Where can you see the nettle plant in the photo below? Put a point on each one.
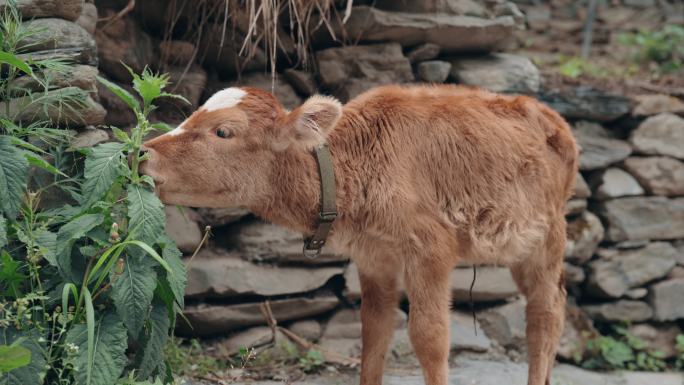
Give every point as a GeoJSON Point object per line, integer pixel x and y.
{"type": "Point", "coordinates": [89, 291]}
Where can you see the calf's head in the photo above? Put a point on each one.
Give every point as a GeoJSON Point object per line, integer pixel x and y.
{"type": "Point", "coordinates": [225, 153]}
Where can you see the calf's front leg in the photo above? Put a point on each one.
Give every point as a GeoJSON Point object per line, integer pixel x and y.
{"type": "Point", "coordinates": [378, 303]}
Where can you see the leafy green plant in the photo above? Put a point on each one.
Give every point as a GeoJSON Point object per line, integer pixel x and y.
{"type": "Point", "coordinates": [621, 350]}
{"type": "Point", "coordinates": [312, 361]}
{"type": "Point", "coordinates": [663, 48]}
{"type": "Point", "coordinates": [90, 289]}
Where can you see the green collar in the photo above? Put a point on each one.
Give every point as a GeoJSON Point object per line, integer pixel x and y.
{"type": "Point", "coordinates": [328, 209]}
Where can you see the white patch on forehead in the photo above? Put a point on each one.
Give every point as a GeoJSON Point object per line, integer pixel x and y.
{"type": "Point", "coordinates": [178, 130]}
{"type": "Point", "coordinates": [226, 98]}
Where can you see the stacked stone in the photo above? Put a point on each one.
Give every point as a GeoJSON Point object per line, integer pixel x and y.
{"type": "Point", "coordinates": [63, 30]}
{"type": "Point", "coordinates": [625, 254]}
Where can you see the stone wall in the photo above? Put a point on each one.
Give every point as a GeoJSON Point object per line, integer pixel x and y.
{"type": "Point", "coordinates": [625, 254]}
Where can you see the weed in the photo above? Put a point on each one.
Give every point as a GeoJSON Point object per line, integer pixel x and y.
{"type": "Point", "coordinates": [662, 49]}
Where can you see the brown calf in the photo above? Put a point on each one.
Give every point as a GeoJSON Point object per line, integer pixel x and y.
{"type": "Point", "coordinates": [426, 176]}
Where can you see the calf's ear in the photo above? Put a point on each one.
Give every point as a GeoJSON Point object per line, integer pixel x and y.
{"type": "Point", "coordinates": [312, 121]}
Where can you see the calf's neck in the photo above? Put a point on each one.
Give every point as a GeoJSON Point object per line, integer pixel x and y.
{"type": "Point", "coordinates": [426, 176]}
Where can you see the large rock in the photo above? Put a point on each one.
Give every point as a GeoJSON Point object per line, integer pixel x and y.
{"type": "Point", "coordinates": [574, 275]}
{"type": "Point", "coordinates": [122, 40]}
{"type": "Point", "coordinates": [303, 82]}
{"type": "Point", "coordinates": [584, 235]}
{"type": "Point", "coordinates": [666, 299]}
{"type": "Point", "coordinates": [575, 207]}
{"type": "Point", "coordinates": [423, 52]}
{"type": "Point", "coordinates": [614, 183]}
{"type": "Point", "coordinates": [352, 289]}
{"type": "Point", "coordinates": [221, 53]}
{"type": "Point", "coordinates": [598, 147]}
{"type": "Point", "coordinates": [225, 275]}
{"type": "Point", "coordinates": [349, 71]}
{"type": "Point", "coordinates": [653, 104]}
{"type": "Point", "coordinates": [261, 241]}
{"type": "Point", "coordinates": [499, 72]}
{"type": "Point", "coordinates": [88, 138]}
{"type": "Point", "coordinates": [63, 9]}
{"type": "Point", "coordinates": [662, 134]}
{"type": "Point", "coordinates": [466, 334]}
{"type": "Point", "coordinates": [505, 324]}
{"type": "Point", "coordinates": [451, 33]}
{"type": "Point", "coordinates": [206, 320]}
{"type": "Point", "coordinates": [586, 103]}
{"type": "Point", "coordinates": [612, 278]}
{"type": "Point", "coordinates": [661, 337]}
{"type": "Point", "coordinates": [309, 329]}
{"type": "Point", "coordinates": [81, 76]}
{"type": "Point", "coordinates": [623, 310]}
{"type": "Point", "coordinates": [433, 71]}
{"type": "Point", "coordinates": [659, 175]}
{"type": "Point", "coordinates": [88, 18]}
{"type": "Point", "coordinates": [282, 90]}
{"type": "Point", "coordinates": [59, 34]}
{"type": "Point", "coordinates": [182, 227]}
{"type": "Point", "coordinates": [491, 284]}
{"type": "Point", "coordinates": [79, 113]}
{"type": "Point", "coordinates": [188, 83]}
{"type": "Point", "coordinates": [118, 113]}
{"type": "Point", "coordinates": [640, 218]}
{"type": "Point", "coordinates": [456, 7]}
{"type": "Point", "coordinates": [581, 190]}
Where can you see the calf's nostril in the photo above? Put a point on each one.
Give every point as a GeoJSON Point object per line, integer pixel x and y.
{"type": "Point", "coordinates": [142, 152]}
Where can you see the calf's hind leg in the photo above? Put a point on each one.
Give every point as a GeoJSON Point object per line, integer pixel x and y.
{"type": "Point", "coordinates": [540, 280]}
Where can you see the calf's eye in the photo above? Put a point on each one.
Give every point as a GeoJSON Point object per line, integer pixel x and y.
{"type": "Point", "coordinates": [221, 133]}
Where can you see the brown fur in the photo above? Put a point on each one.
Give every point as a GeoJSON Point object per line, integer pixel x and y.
{"type": "Point", "coordinates": [426, 175]}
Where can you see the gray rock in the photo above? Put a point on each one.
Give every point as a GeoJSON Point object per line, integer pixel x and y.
{"type": "Point", "coordinates": [630, 268]}
{"type": "Point", "coordinates": [614, 183]}
{"type": "Point", "coordinates": [346, 323]}
{"type": "Point", "coordinates": [282, 90]}
{"type": "Point", "coordinates": [188, 83]}
{"type": "Point", "coordinates": [352, 290]}
{"type": "Point", "coordinates": [119, 114]}
{"type": "Point", "coordinates": [303, 82]}
{"type": "Point", "coordinates": [575, 207]}
{"type": "Point", "coordinates": [581, 190]}
{"type": "Point", "coordinates": [623, 310]}
{"type": "Point", "coordinates": [455, 7]}
{"type": "Point", "coordinates": [219, 274]}
{"type": "Point", "coordinates": [124, 41]}
{"type": "Point", "coordinates": [659, 175]}
{"type": "Point", "coordinates": [499, 72]}
{"type": "Point", "coordinates": [584, 235]}
{"type": "Point", "coordinates": [59, 34]}
{"type": "Point", "coordinates": [182, 227]}
{"type": "Point", "coordinates": [349, 71]}
{"type": "Point", "coordinates": [462, 334]}
{"type": "Point", "coordinates": [652, 104]}
{"type": "Point", "coordinates": [586, 103]}
{"type": "Point", "coordinates": [88, 17]}
{"type": "Point", "coordinates": [81, 76]}
{"type": "Point", "coordinates": [598, 147]}
{"type": "Point", "coordinates": [660, 337]}
{"type": "Point", "coordinates": [666, 299]}
{"type": "Point", "coordinates": [491, 284]}
{"type": "Point", "coordinates": [636, 293]}
{"type": "Point", "coordinates": [679, 245]}
{"type": "Point", "coordinates": [311, 330]}
{"type": "Point", "coordinates": [76, 55]}
{"type": "Point", "coordinates": [409, 29]}
{"type": "Point", "coordinates": [63, 9]}
{"type": "Point", "coordinates": [220, 217]}
{"type": "Point", "coordinates": [209, 320]}
{"type": "Point", "coordinates": [433, 71]}
{"type": "Point", "coordinates": [662, 134]}
{"type": "Point", "coordinates": [574, 275]}
{"type": "Point", "coordinates": [85, 112]}
{"type": "Point", "coordinates": [89, 138]}
{"type": "Point", "coordinates": [177, 52]}
{"type": "Point", "coordinates": [250, 338]}
{"type": "Point", "coordinates": [638, 218]}
{"type": "Point", "coordinates": [423, 52]}
{"type": "Point", "coordinates": [268, 242]}
{"type": "Point", "coordinates": [505, 324]}
{"type": "Point", "coordinates": [222, 52]}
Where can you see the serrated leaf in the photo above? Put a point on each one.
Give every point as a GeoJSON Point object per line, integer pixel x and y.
{"type": "Point", "coordinates": [132, 292]}
{"type": "Point", "coordinates": [32, 373]}
{"type": "Point", "coordinates": [13, 177]}
{"type": "Point", "coordinates": [47, 243]}
{"type": "Point", "coordinates": [146, 214]}
{"type": "Point", "coordinates": [69, 233]}
{"type": "Point", "coordinates": [3, 232]}
{"type": "Point", "coordinates": [13, 357]}
{"type": "Point", "coordinates": [121, 93]}
{"type": "Point", "coordinates": [109, 351]}
{"type": "Point", "coordinates": [179, 279]}
{"type": "Point", "coordinates": [103, 165]}
{"type": "Point", "coordinates": [39, 162]}
{"type": "Point", "coordinates": [154, 337]}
